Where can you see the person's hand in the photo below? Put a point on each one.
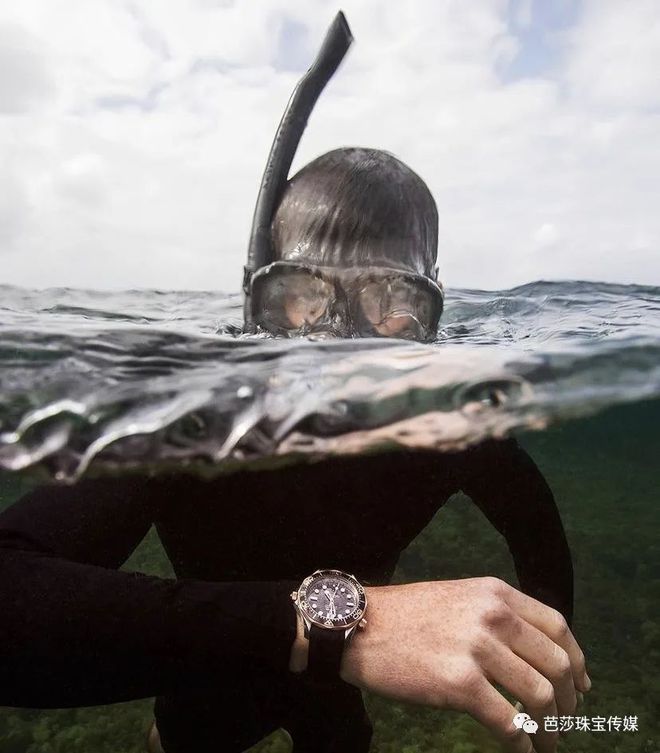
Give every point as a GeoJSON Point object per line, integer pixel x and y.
{"type": "Point", "coordinates": [447, 643]}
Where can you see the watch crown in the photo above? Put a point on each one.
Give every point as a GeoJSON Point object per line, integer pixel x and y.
{"type": "Point", "coordinates": [363, 623]}
{"type": "Point", "coordinates": [294, 595]}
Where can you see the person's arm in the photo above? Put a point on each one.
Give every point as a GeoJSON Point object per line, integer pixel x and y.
{"type": "Point", "coordinates": [456, 644]}
{"type": "Point", "coordinates": [503, 481]}
{"type": "Point", "coordinates": [75, 631]}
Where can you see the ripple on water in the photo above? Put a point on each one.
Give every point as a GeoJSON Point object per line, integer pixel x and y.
{"type": "Point", "coordinates": [150, 378]}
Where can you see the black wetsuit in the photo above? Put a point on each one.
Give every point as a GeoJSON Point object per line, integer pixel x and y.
{"type": "Point", "coordinates": [214, 645]}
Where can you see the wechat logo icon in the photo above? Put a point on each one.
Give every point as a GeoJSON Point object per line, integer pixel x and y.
{"type": "Point", "coordinates": [525, 722]}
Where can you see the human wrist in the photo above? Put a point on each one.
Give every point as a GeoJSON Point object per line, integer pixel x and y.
{"type": "Point", "coordinates": [351, 670]}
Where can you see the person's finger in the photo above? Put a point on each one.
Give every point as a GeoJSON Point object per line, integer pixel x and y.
{"type": "Point", "coordinates": [552, 623]}
{"type": "Point", "coordinates": [525, 682]}
{"type": "Point", "coordinates": [550, 659]}
{"type": "Point", "coordinates": [491, 708]}
{"type": "Point", "coordinates": [580, 700]}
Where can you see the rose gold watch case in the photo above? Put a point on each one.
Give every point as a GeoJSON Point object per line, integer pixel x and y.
{"type": "Point", "coordinates": [349, 623]}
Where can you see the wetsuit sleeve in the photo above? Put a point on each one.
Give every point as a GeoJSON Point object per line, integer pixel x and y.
{"type": "Point", "coordinates": [503, 481]}
{"type": "Point", "coordinates": [75, 631]}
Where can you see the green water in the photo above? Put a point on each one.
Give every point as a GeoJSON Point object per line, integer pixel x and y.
{"type": "Point", "coordinates": [605, 474]}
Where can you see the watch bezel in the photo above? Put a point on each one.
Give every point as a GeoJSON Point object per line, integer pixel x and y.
{"type": "Point", "coordinates": [342, 623]}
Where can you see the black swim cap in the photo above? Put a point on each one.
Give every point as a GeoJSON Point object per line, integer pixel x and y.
{"type": "Point", "coordinates": [356, 207]}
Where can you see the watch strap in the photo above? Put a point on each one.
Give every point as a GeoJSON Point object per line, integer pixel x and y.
{"type": "Point", "coordinates": [326, 648]}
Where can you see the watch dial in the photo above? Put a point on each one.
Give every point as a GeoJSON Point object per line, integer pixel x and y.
{"type": "Point", "coordinates": [332, 598]}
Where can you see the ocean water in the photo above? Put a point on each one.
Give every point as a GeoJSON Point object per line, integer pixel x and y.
{"type": "Point", "coordinates": [95, 383]}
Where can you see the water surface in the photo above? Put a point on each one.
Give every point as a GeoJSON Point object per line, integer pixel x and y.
{"type": "Point", "coordinates": [150, 378]}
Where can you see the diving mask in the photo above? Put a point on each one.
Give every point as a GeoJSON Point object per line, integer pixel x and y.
{"type": "Point", "coordinates": [293, 299]}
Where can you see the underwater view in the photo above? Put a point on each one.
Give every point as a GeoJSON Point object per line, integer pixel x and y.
{"type": "Point", "coordinates": [97, 384]}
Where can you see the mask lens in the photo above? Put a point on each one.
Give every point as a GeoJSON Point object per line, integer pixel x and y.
{"type": "Point", "coordinates": [397, 308]}
{"type": "Point", "coordinates": [294, 300]}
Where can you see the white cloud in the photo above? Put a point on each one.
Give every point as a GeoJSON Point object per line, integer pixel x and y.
{"type": "Point", "coordinates": [136, 133]}
{"type": "Point", "coordinates": [522, 14]}
{"type": "Point", "coordinates": [14, 209]}
{"type": "Point", "coordinates": [23, 76]}
{"type": "Point", "coordinates": [616, 55]}
{"type": "Point", "coordinates": [546, 236]}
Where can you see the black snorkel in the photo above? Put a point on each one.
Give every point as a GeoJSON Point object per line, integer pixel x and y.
{"type": "Point", "coordinates": [289, 132]}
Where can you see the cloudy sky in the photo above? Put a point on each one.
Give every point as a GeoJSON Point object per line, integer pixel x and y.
{"type": "Point", "coordinates": [133, 133]}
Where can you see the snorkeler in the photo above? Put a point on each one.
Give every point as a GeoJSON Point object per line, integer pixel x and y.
{"type": "Point", "coordinates": [350, 250]}
{"type": "Point", "coordinates": [353, 252]}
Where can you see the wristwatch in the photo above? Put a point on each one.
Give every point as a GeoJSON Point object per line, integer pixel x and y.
{"type": "Point", "coordinates": [331, 604]}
